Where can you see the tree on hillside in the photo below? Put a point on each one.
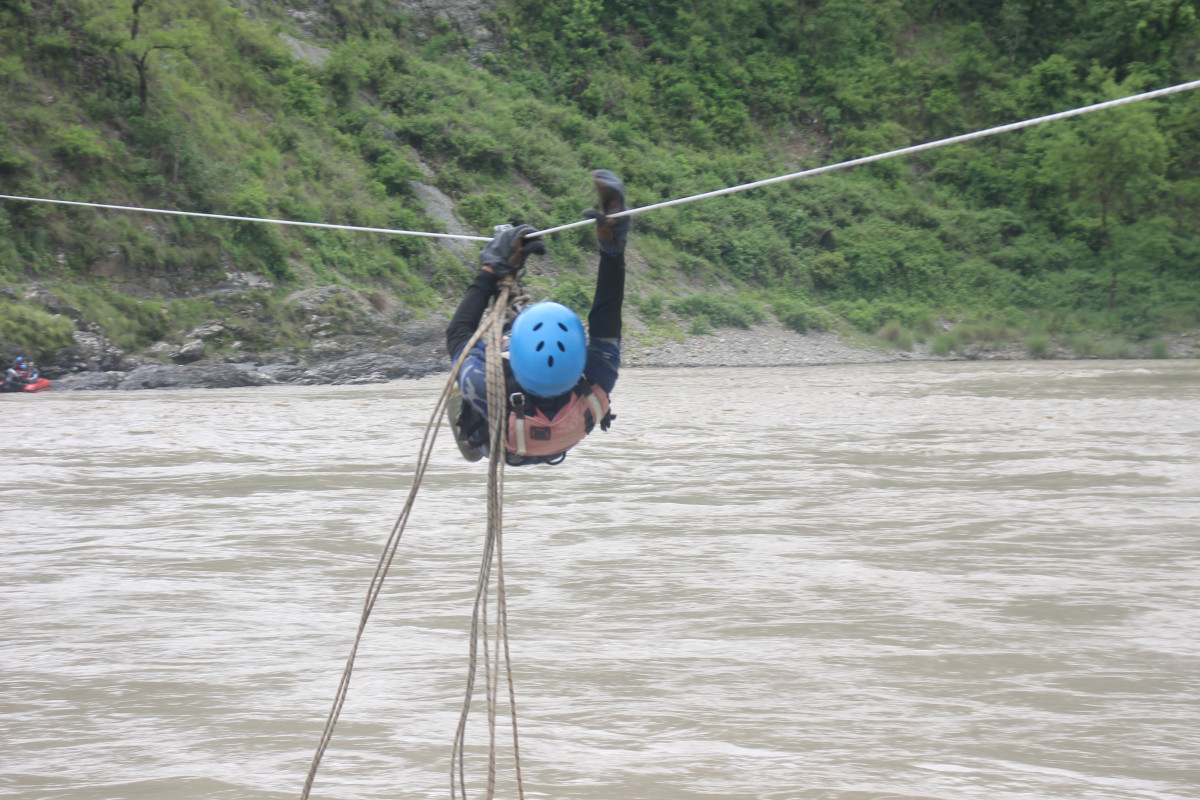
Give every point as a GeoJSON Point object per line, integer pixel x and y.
{"type": "Point", "coordinates": [1148, 32]}
{"type": "Point", "coordinates": [135, 29]}
{"type": "Point", "coordinates": [1111, 166]}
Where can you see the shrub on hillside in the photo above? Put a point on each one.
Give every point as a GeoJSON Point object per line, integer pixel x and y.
{"type": "Point", "coordinates": [31, 332]}
{"type": "Point", "coordinates": [802, 317]}
{"type": "Point", "coordinates": [722, 311]}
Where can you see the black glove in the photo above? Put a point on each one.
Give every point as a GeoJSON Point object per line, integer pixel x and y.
{"type": "Point", "coordinates": [507, 252]}
{"type": "Point", "coordinates": [611, 235]}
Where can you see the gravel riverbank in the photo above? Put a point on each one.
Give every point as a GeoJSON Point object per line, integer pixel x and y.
{"type": "Point", "coordinates": [772, 345]}
{"type": "Point", "coordinates": [765, 345]}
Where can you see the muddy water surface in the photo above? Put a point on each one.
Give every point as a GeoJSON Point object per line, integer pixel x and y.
{"type": "Point", "coordinates": [906, 581]}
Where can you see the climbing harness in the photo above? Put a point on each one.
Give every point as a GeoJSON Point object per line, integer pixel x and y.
{"type": "Point", "coordinates": [504, 307]}
{"type": "Point", "coordinates": [532, 434]}
{"type": "Point", "coordinates": [536, 435]}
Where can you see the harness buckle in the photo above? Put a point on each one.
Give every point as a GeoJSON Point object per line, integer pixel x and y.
{"type": "Point", "coordinates": [518, 403]}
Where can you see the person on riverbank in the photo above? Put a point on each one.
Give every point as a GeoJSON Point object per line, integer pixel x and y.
{"type": "Point", "coordinates": [557, 377]}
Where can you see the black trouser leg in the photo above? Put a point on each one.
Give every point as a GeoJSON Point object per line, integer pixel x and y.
{"type": "Point", "coordinates": [604, 320]}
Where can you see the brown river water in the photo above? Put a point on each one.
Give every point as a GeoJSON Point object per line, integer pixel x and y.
{"type": "Point", "coordinates": [951, 580]}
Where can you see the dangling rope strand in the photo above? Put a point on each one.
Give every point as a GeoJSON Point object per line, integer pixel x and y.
{"type": "Point", "coordinates": [425, 453]}
{"type": "Point", "coordinates": [493, 546]}
{"type": "Point", "coordinates": [496, 378]}
{"type": "Point", "coordinates": [502, 613]}
{"type": "Point", "coordinates": [497, 425]}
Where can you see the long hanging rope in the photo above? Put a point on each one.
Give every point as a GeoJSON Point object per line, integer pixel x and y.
{"type": "Point", "coordinates": [497, 425]}
{"type": "Point", "coordinates": [492, 325]}
{"type": "Point", "coordinates": [904, 151]}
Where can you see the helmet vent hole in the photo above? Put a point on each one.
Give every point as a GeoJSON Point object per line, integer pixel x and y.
{"type": "Point", "coordinates": [550, 361]}
{"type": "Point", "coordinates": [562, 348]}
{"type": "Point", "coordinates": [564, 327]}
{"type": "Point", "coordinates": [540, 346]}
{"type": "Point", "coordinates": [538, 327]}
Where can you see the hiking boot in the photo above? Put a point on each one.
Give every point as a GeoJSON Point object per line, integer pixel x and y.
{"type": "Point", "coordinates": [453, 416]}
{"type": "Point", "coordinates": [611, 235]}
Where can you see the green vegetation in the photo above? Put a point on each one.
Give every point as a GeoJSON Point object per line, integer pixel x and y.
{"type": "Point", "coordinates": [1038, 346]}
{"type": "Point", "coordinates": [720, 310]}
{"type": "Point", "coordinates": [32, 331]}
{"type": "Point", "coordinates": [1077, 234]}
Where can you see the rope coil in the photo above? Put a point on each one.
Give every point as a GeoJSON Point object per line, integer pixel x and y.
{"type": "Point", "coordinates": [504, 306]}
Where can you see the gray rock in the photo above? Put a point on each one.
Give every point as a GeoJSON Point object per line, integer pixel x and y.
{"type": "Point", "coordinates": [305, 51]}
{"type": "Point", "coordinates": [53, 304]}
{"type": "Point", "coordinates": [286, 373]}
{"type": "Point", "coordinates": [190, 352]}
{"type": "Point", "coordinates": [356, 369]}
{"type": "Point", "coordinates": [194, 376]}
{"type": "Point", "coordinates": [90, 352]}
{"type": "Point", "coordinates": [439, 206]}
{"type": "Point", "coordinates": [209, 330]}
{"type": "Point", "coordinates": [85, 381]}
{"type": "Point", "coordinates": [160, 350]}
{"type": "Point", "coordinates": [371, 368]}
{"type": "Point", "coordinates": [465, 16]}
{"type": "Point", "coordinates": [420, 332]}
{"type": "Point", "coordinates": [244, 280]}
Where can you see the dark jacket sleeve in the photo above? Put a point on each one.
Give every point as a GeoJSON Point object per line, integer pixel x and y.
{"type": "Point", "coordinates": [470, 310]}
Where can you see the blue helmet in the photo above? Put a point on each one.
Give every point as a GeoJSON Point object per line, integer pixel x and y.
{"type": "Point", "coordinates": [547, 349]}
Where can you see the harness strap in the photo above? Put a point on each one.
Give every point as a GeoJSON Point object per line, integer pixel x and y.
{"type": "Point", "coordinates": [518, 403]}
{"type": "Point", "coordinates": [597, 409]}
{"type": "Point", "coordinates": [585, 390]}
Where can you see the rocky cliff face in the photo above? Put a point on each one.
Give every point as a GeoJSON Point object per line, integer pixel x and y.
{"type": "Point", "coordinates": [328, 334]}
{"type": "Point", "coordinates": [248, 332]}
{"type": "Point", "coordinates": [466, 17]}
{"type": "Point", "coordinates": [315, 21]}
{"type": "Point", "coordinates": [318, 334]}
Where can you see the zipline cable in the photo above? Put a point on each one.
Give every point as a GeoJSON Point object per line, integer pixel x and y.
{"type": "Point", "coordinates": [904, 151]}
{"type": "Point", "coordinates": [393, 231]}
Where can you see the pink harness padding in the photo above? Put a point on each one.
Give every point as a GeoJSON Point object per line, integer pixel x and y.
{"type": "Point", "coordinates": [535, 435]}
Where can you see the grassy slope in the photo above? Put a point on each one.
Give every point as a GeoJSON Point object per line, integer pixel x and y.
{"type": "Point", "coordinates": [1007, 235]}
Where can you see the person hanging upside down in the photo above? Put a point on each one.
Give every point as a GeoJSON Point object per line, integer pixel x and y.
{"type": "Point", "coordinates": [557, 377]}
